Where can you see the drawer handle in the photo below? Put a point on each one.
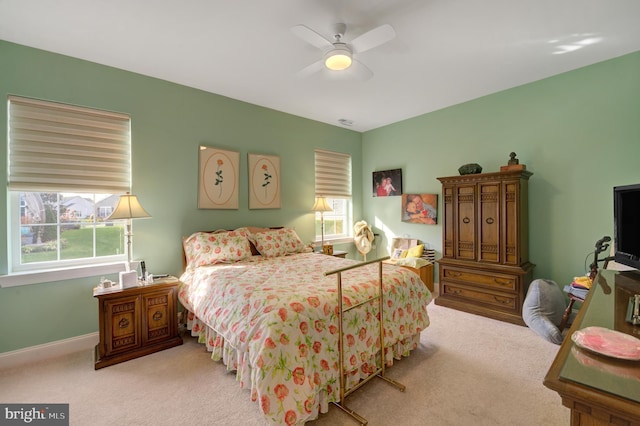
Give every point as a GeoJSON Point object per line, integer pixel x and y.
{"type": "Point", "coordinates": [453, 274]}
{"type": "Point", "coordinates": [502, 281]}
{"type": "Point", "coordinates": [490, 220]}
{"type": "Point", "coordinates": [501, 300]}
{"type": "Point", "coordinates": [123, 323]}
{"type": "Point", "coordinates": [157, 316]}
{"type": "Point", "coordinates": [466, 220]}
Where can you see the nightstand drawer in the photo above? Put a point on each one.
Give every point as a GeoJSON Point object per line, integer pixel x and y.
{"type": "Point", "coordinates": [122, 325]}
{"type": "Point", "coordinates": [158, 315]}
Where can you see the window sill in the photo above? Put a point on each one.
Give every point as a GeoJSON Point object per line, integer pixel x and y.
{"type": "Point", "coordinates": [343, 240]}
{"type": "Point", "coordinates": [45, 276]}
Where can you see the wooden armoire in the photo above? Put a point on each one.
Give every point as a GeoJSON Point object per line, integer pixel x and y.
{"type": "Point", "coordinates": [485, 266]}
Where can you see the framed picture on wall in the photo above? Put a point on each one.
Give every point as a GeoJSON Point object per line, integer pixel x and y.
{"type": "Point", "coordinates": [420, 208]}
{"type": "Point", "coordinates": [387, 183]}
{"type": "Point", "coordinates": [218, 178]}
{"type": "Point", "coordinates": [264, 181]}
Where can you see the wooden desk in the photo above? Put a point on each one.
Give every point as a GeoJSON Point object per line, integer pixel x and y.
{"type": "Point", "coordinates": [600, 391]}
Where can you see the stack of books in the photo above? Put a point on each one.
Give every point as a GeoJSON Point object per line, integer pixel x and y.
{"type": "Point", "coordinates": [429, 254]}
{"type": "Point", "coordinates": [579, 287]}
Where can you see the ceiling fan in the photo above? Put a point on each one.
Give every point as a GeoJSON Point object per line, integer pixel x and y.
{"type": "Point", "coordinates": [338, 55]}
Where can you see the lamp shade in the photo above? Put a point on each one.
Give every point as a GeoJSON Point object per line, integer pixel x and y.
{"type": "Point", "coordinates": [321, 205]}
{"type": "Point", "coordinates": [128, 208]}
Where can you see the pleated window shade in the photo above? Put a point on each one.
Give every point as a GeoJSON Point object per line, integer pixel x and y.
{"type": "Point", "coordinates": [333, 174]}
{"type": "Point", "coordinates": [64, 148]}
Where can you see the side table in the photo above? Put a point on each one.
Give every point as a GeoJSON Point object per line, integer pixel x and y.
{"type": "Point", "coordinates": [425, 273]}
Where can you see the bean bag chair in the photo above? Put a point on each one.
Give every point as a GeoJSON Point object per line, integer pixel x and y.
{"type": "Point", "coordinates": [543, 308]}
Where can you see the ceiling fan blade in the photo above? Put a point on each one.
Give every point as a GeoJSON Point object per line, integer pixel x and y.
{"type": "Point", "coordinates": [373, 38]}
{"type": "Point", "coordinates": [360, 70]}
{"type": "Point", "coordinates": [311, 69]}
{"type": "Point", "coordinates": [313, 38]}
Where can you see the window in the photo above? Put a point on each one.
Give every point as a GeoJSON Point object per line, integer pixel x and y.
{"type": "Point", "coordinates": [65, 165]}
{"type": "Point", "coordinates": [333, 181]}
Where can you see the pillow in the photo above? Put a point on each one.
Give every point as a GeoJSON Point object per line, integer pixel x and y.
{"type": "Point", "coordinates": [415, 251]}
{"type": "Point", "coordinates": [543, 308]}
{"type": "Point", "coordinates": [208, 248]}
{"type": "Point", "coordinates": [255, 230]}
{"type": "Point", "coordinates": [277, 242]}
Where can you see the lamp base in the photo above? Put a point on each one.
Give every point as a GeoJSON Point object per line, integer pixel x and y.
{"type": "Point", "coordinates": [327, 249]}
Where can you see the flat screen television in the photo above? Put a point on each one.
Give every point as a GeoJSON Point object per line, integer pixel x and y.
{"type": "Point", "coordinates": [626, 225]}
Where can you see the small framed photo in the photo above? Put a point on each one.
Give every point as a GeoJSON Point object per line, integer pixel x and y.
{"type": "Point", "coordinates": [420, 208]}
{"type": "Point", "coordinates": [387, 183]}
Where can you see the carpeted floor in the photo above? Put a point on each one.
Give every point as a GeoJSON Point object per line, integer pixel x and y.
{"type": "Point", "coordinates": [468, 370]}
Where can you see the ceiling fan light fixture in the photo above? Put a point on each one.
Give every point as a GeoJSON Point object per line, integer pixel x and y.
{"type": "Point", "coordinates": [339, 58]}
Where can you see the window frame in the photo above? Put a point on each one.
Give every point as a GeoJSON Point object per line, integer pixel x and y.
{"type": "Point", "coordinates": [15, 248]}
{"type": "Point", "coordinates": [42, 136]}
{"type": "Point", "coordinates": [333, 181]}
{"type": "Point", "coordinates": [346, 218]}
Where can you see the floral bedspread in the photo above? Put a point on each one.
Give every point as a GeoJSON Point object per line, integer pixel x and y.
{"type": "Point", "coordinates": [275, 322]}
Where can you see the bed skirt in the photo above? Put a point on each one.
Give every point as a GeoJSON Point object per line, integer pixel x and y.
{"type": "Point", "coordinates": [238, 361]}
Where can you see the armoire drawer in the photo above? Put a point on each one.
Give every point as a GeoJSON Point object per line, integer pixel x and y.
{"type": "Point", "coordinates": [504, 300]}
{"type": "Point", "coordinates": [492, 280]}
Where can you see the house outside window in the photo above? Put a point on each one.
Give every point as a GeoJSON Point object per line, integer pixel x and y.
{"type": "Point", "coordinates": [64, 226]}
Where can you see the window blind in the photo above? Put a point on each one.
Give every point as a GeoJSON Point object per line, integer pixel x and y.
{"type": "Point", "coordinates": [57, 147]}
{"type": "Point", "coordinates": [333, 174]}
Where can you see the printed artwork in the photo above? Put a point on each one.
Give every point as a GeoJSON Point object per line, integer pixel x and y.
{"type": "Point", "coordinates": [218, 178]}
{"type": "Point", "coordinates": [387, 183]}
{"type": "Point", "coordinates": [420, 208]}
{"type": "Point", "coordinates": [264, 181]}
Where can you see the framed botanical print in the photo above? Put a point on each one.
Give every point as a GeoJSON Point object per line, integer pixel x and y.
{"type": "Point", "coordinates": [264, 181]}
{"type": "Point", "coordinates": [218, 178]}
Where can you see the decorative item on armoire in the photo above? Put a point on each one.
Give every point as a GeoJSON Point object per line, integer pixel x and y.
{"type": "Point", "coordinates": [513, 164]}
{"type": "Point", "coordinates": [470, 169]}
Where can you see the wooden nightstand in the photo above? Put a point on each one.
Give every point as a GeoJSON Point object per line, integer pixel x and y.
{"type": "Point", "coordinates": [425, 273]}
{"type": "Point", "coordinates": [137, 321]}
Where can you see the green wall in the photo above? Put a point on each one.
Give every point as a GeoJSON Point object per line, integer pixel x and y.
{"type": "Point", "coordinates": [169, 122]}
{"type": "Point", "coordinates": [578, 132]}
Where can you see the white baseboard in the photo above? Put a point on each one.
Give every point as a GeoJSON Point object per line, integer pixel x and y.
{"type": "Point", "coordinates": [48, 350]}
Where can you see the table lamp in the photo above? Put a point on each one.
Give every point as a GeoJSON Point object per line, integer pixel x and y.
{"type": "Point", "coordinates": [321, 205]}
{"type": "Point", "coordinates": [128, 208]}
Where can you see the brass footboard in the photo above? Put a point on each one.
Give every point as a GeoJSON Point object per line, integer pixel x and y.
{"type": "Point", "coordinates": [380, 370]}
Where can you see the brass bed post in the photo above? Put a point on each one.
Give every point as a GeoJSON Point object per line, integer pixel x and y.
{"type": "Point", "coordinates": [380, 371]}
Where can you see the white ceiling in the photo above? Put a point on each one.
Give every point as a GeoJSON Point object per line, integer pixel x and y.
{"type": "Point", "coordinates": [445, 51]}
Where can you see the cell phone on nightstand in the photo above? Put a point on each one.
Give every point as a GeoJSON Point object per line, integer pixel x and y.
{"type": "Point", "coordinates": [143, 269]}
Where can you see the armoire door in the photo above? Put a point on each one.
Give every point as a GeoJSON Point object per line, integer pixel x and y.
{"type": "Point", "coordinates": [466, 221]}
{"type": "Point", "coordinates": [489, 222]}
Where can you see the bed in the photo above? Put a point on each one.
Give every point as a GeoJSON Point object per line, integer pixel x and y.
{"type": "Point", "coordinates": [261, 303]}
